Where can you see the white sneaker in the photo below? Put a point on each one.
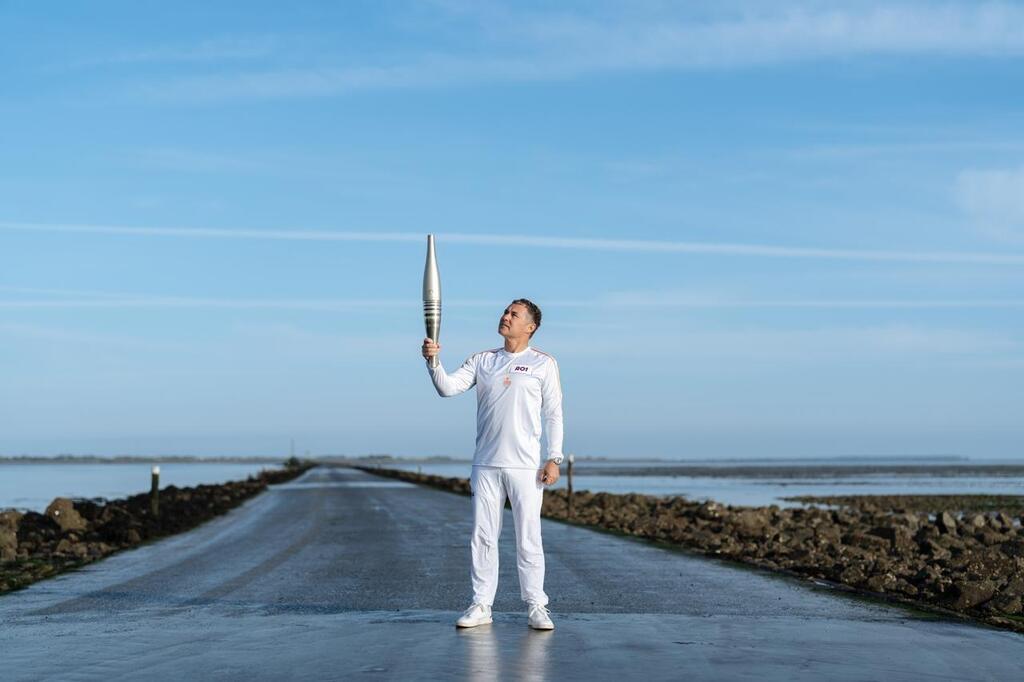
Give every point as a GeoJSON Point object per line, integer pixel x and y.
{"type": "Point", "coordinates": [539, 617]}
{"type": "Point", "coordinates": [476, 614]}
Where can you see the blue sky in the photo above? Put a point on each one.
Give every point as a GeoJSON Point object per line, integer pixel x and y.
{"type": "Point", "coordinates": [755, 229]}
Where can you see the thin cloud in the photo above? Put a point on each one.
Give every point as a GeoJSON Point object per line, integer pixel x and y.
{"type": "Point", "coordinates": [657, 299]}
{"type": "Point", "coordinates": [567, 243]}
{"type": "Point", "coordinates": [218, 233]}
{"type": "Point", "coordinates": [631, 300]}
{"type": "Point", "coordinates": [827, 344]}
{"type": "Point", "coordinates": [793, 31]}
{"type": "Point", "coordinates": [79, 338]}
{"type": "Point", "coordinates": [188, 302]}
{"type": "Point", "coordinates": [204, 51]}
{"type": "Point", "coordinates": [195, 161]}
{"type": "Point", "coordinates": [993, 200]}
{"type": "Point", "coordinates": [50, 291]}
{"type": "Point", "coordinates": [559, 46]}
{"type": "Point", "coordinates": [858, 151]}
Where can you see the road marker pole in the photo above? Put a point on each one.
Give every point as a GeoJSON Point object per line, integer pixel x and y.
{"type": "Point", "coordinates": [154, 492]}
{"type": "Point", "coordinates": [572, 458]}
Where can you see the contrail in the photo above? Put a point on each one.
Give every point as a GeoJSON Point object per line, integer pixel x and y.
{"type": "Point", "coordinates": [569, 243]}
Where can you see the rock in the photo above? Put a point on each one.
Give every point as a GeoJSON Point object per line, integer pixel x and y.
{"type": "Point", "coordinates": [1014, 586]}
{"type": "Point", "coordinates": [70, 548]}
{"type": "Point", "coordinates": [934, 550]}
{"type": "Point", "coordinates": [926, 532]}
{"type": "Point", "coordinates": [852, 575]}
{"type": "Point", "coordinates": [1005, 604]}
{"type": "Point", "coordinates": [36, 527]}
{"type": "Point", "coordinates": [8, 544]}
{"type": "Point", "coordinates": [62, 510]}
{"type": "Point", "coordinates": [908, 520]}
{"type": "Point", "coordinates": [987, 536]}
{"type": "Point", "coordinates": [828, 534]}
{"type": "Point", "coordinates": [951, 542]}
{"type": "Point", "coordinates": [977, 521]}
{"type": "Point", "coordinates": [946, 523]}
{"type": "Point", "coordinates": [897, 536]}
{"type": "Point", "coordinates": [800, 536]}
{"type": "Point", "coordinates": [927, 575]}
{"type": "Point", "coordinates": [884, 582]}
{"type": "Point", "coordinates": [1002, 522]}
{"type": "Point", "coordinates": [709, 511]}
{"type": "Point", "coordinates": [1013, 548]}
{"type": "Point", "coordinates": [89, 509]}
{"type": "Point", "coordinates": [9, 519]}
{"type": "Point", "coordinates": [799, 554]}
{"type": "Point", "coordinates": [752, 523]}
{"type": "Point", "coordinates": [133, 536]}
{"type": "Point", "coordinates": [97, 549]}
{"type": "Point", "coordinates": [906, 588]}
{"type": "Point", "coordinates": [865, 541]}
{"type": "Point", "coordinates": [966, 594]}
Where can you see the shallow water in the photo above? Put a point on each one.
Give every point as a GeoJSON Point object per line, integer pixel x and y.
{"type": "Point", "coordinates": [763, 491]}
{"type": "Point", "coordinates": [33, 486]}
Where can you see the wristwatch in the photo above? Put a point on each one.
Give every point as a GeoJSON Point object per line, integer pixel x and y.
{"type": "Point", "coordinates": [557, 459]}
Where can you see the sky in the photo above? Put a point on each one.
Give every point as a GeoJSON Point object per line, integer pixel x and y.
{"type": "Point", "coordinates": [788, 229]}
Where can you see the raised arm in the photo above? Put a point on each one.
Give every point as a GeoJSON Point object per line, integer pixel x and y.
{"type": "Point", "coordinates": [447, 385]}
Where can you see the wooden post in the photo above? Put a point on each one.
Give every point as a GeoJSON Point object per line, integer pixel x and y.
{"type": "Point", "coordinates": [154, 492]}
{"type": "Point", "coordinates": [569, 483]}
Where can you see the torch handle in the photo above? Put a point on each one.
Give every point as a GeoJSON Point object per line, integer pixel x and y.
{"type": "Point", "coordinates": [432, 319]}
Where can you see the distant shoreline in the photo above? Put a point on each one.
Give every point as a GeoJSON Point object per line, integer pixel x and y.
{"type": "Point", "coordinates": [769, 468]}
{"type": "Point", "coordinates": [139, 459]}
{"type": "Point", "coordinates": [810, 471]}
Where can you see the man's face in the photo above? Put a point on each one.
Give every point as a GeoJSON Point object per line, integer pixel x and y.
{"type": "Point", "coordinates": [516, 322]}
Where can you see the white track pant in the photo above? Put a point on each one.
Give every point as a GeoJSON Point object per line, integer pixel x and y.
{"type": "Point", "coordinates": [491, 485]}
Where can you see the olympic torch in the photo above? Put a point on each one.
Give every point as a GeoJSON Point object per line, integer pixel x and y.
{"type": "Point", "coordinates": [432, 297]}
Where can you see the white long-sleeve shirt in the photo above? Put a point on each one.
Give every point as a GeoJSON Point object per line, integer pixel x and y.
{"type": "Point", "coordinates": [516, 394]}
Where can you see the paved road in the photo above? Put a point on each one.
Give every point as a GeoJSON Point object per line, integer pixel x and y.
{"type": "Point", "coordinates": [341, 575]}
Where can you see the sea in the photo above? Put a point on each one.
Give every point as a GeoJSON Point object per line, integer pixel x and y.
{"type": "Point", "coordinates": [763, 482]}
{"type": "Point", "coordinates": [32, 486]}
{"type": "Point", "coordinates": [753, 482]}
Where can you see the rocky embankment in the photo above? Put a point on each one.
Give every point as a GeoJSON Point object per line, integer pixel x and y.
{"type": "Point", "coordinates": [943, 557]}
{"type": "Point", "coordinates": [1010, 504]}
{"type": "Point", "coordinates": [72, 533]}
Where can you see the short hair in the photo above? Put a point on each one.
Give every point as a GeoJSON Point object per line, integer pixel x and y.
{"type": "Point", "coordinates": [534, 311]}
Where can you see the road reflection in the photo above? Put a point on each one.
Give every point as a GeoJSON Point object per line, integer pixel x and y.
{"type": "Point", "coordinates": [495, 652]}
{"type": "Point", "coordinates": [483, 657]}
{"type": "Point", "coordinates": [534, 654]}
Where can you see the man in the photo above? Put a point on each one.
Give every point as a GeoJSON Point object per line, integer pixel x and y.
{"type": "Point", "coordinates": [518, 391]}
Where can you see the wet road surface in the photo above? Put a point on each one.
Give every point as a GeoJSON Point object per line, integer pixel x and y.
{"type": "Point", "coordinates": [343, 575]}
